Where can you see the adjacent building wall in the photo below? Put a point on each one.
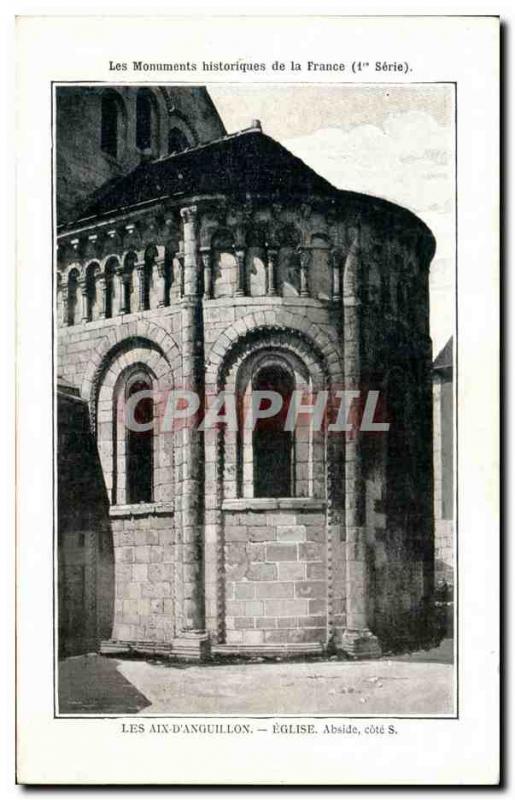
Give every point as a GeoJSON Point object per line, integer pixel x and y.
{"type": "Point", "coordinates": [81, 164]}
{"type": "Point", "coordinates": [443, 416]}
{"type": "Point", "coordinates": [85, 547]}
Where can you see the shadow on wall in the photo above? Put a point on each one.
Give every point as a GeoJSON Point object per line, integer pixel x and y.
{"type": "Point", "coordinates": [85, 546]}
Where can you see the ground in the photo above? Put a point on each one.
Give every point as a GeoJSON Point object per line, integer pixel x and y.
{"type": "Point", "coordinates": [418, 683]}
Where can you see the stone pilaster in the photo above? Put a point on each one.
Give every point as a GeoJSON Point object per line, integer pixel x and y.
{"type": "Point", "coordinates": [336, 276]}
{"type": "Point", "coordinates": [161, 282]}
{"type": "Point", "coordinates": [140, 269]}
{"type": "Point", "coordinates": [192, 442]}
{"type": "Point", "coordinates": [180, 276]}
{"type": "Point", "coordinates": [358, 641]}
{"type": "Point", "coordinates": [271, 284]}
{"type": "Point", "coordinates": [240, 275]}
{"type": "Point", "coordinates": [304, 264]}
{"type": "Point", "coordinates": [123, 285]}
{"type": "Point", "coordinates": [63, 300]}
{"type": "Point", "coordinates": [83, 294]}
{"type": "Point", "coordinates": [205, 253]}
{"type": "Point", "coordinates": [100, 280]}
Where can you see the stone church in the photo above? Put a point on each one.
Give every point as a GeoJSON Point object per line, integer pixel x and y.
{"type": "Point", "coordinates": [190, 258]}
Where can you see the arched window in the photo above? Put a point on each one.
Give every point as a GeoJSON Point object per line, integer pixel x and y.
{"type": "Point", "coordinates": [109, 271]}
{"type": "Point", "coordinates": [72, 309]}
{"type": "Point", "coordinates": [271, 461]}
{"type": "Point", "coordinates": [110, 123]}
{"type": "Point", "coordinates": [147, 134]}
{"type": "Point", "coordinates": [91, 291]}
{"type": "Point", "coordinates": [272, 445]}
{"type": "Point", "coordinates": [140, 443]}
{"type": "Point", "coordinates": [129, 299]}
{"type": "Point", "coordinates": [148, 276]}
{"type": "Point", "coordinates": [176, 141]}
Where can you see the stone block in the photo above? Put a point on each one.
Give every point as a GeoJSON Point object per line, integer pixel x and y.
{"type": "Point", "coordinates": [287, 622]}
{"type": "Point", "coordinates": [142, 554]}
{"type": "Point", "coordinates": [261, 534]}
{"type": "Point", "coordinates": [310, 589]}
{"type": "Point", "coordinates": [261, 572]}
{"type": "Point", "coordinates": [291, 533]}
{"type": "Point", "coordinates": [152, 537]}
{"type": "Point", "coordinates": [316, 571]}
{"type": "Point", "coordinates": [276, 637]}
{"type": "Point", "coordinates": [242, 623]}
{"type": "Point", "coordinates": [311, 551]}
{"type": "Point", "coordinates": [311, 622]}
{"type": "Point", "coordinates": [253, 519]}
{"type": "Point", "coordinates": [253, 608]}
{"type": "Point", "coordinates": [235, 533]}
{"type": "Point", "coordinates": [159, 589]}
{"type": "Point", "coordinates": [235, 553]}
{"type": "Point", "coordinates": [291, 570]}
{"type": "Point", "coordinates": [272, 589]}
{"type": "Point", "coordinates": [155, 572]}
{"type": "Point", "coordinates": [316, 533]}
{"type": "Point", "coordinates": [234, 637]}
{"type": "Point", "coordinates": [256, 551]}
{"type": "Point", "coordinates": [124, 572]}
{"type": "Point", "coordinates": [125, 555]}
{"type": "Point", "coordinates": [244, 591]}
{"type": "Point", "coordinates": [253, 637]}
{"type": "Point", "coordinates": [281, 518]}
{"type": "Point", "coordinates": [286, 608]}
{"type": "Point", "coordinates": [282, 552]}
{"type": "Point", "coordinates": [234, 608]}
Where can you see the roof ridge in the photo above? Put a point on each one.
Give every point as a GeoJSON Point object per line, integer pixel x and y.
{"type": "Point", "coordinates": [194, 148]}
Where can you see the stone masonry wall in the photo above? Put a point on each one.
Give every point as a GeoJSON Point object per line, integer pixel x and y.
{"type": "Point", "coordinates": [77, 343]}
{"type": "Point", "coordinates": [145, 559]}
{"type": "Point", "coordinates": [275, 566]}
{"type": "Point", "coordinates": [82, 166]}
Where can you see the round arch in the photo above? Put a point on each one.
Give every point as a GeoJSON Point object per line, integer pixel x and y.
{"type": "Point", "coordinates": [110, 423]}
{"type": "Point", "coordinates": [292, 328]}
{"type": "Point", "coordinates": [121, 340]}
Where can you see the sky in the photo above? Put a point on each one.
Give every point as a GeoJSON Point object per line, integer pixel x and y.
{"type": "Point", "coordinates": [395, 142]}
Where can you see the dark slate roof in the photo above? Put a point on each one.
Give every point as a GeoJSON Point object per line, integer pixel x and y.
{"type": "Point", "coordinates": [67, 388]}
{"type": "Point", "coordinates": [249, 162]}
{"type": "Point", "coordinates": [444, 358]}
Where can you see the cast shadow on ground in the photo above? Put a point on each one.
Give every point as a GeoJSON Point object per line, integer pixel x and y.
{"type": "Point", "coordinates": [97, 687]}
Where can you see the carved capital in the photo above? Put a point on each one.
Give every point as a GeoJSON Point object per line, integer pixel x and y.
{"type": "Point", "coordinates": [304, 257]}
{"type": "Point", "coordinates": [205, 255]}
{"type": "Point", "coordinates": [239, 252]}
{"type": "Point", "coordinates": [189, 214]}
{"type": "Point", "coordinates": [305, 210]}
{"type": "Point", "coordinates": [277, 209]}
{"type": "Point", "coordinates": [272, 253]}
{"type": "Point", "coordinates": [304, 262]}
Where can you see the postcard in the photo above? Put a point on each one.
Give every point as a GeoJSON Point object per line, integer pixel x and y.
{"type": "Point", "coordinates": [258, 519]}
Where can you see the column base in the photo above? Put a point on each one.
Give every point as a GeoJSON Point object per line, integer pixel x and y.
{"type": "Point", "coordinates": [187, 646]}
{"type": "Point", "coordinates": [360, 644]}
{"type": "Point", "coordinates": [192, 646]}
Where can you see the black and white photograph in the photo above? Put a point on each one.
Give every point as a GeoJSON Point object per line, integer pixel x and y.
{"type": "Point", "coordinates": [254, 399]}
{"type": "Point", "coordinates": [257, 399]}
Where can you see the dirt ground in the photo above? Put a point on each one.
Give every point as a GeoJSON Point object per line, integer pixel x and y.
{"type": "Point", "coordinates": [420, 684]}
